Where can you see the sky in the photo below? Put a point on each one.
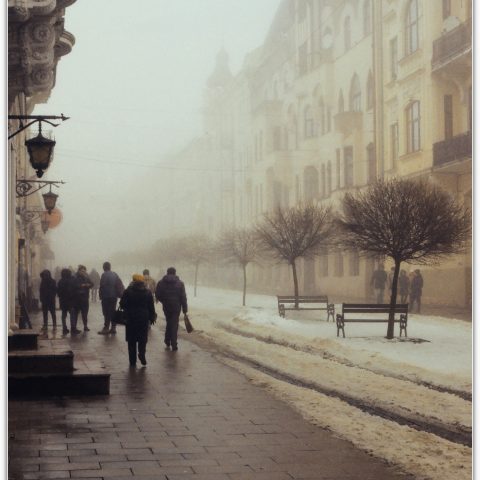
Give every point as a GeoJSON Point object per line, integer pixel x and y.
{"type": "Point", "coordinates": [133, 87]}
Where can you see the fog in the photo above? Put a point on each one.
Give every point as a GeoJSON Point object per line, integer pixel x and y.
{"type": "Point", "coordinates": [133, 87]}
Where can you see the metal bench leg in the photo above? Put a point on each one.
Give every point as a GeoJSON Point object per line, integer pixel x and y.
{"type": "Point", "coordinates": [331, 312]}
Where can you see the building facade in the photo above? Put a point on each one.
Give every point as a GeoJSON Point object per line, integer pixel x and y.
{"type": "Point", "coordinates": [341, 93]}
{"type": "Point", "coordinates": [36, 42]}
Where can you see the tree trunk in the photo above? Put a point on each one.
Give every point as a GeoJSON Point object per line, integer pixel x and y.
{"type": "Point", "coordinates": [393, 301]}
{"type": "Point", "coordinates": [295, 282]}
{"type": "Point", "coordinates": [195, 283]}
{"type": "Point", "coordinates": [244, 283]}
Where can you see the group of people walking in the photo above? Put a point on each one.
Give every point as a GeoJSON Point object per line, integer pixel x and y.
{"type": "Point", "coordinates": [409, 287]}
{"type": "Point", "coordinates": [137, 301]}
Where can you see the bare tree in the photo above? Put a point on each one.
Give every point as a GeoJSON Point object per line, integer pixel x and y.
{"type": "Point", "coordinates": [296, 232]}
{"type": "Point", "coordinates": [240, 247]}
{"type": "Point", "coordinates": [407, 220]}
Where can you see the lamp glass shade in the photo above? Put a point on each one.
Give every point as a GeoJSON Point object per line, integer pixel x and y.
{"type": "Point", "coordinates": [49, 200]}
{"type": "Point", "coordinates": [40, 151]}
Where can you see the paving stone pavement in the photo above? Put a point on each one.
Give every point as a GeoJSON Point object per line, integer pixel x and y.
{"type": "Point", "coordinates": [185, 416]}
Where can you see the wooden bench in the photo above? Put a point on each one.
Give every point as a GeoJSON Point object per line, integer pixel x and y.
{"type": "Point", "coordinates": [288, 302]}
{"type": "Point", "coordinates": [350, 314]}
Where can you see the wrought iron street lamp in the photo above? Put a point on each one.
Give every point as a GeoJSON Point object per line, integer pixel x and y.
{"type": "Point", "coordinates": [49, 200]}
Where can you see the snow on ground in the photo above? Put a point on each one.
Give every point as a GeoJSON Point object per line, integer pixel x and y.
{"type": "Point", "coordinates": [364, 366]}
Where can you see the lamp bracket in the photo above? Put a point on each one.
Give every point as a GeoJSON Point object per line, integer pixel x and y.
{"type": "Point", "coordinates": [24, 187]}
{"type": "Point", "coordinates": [35, 119]}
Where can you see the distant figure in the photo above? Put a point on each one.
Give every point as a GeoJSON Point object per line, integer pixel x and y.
{"type": "Point", "coordinates": [390, 278]}
{"type": "Point", "coordinates": [416, 287]}
{"type": "Point", "coordinates": [48, 292]}
{"type": "Point", "coordinates": [149, 281]}
{"type": "Point", "coordinates": [403, 286]}
{"type": "Point", "coordinates": [65, 297]}
{"type": "Point", "coordinates": [81, 294]}
{"type": "Point", "coordinates": [57, 274]}
{"type": "Point", "coordinates": [111, 288]}
{"type": "Point", "coordinates": [95, 278]}
{"type": "Point", "coordinates": [137, 302]}
{"type": "Point", "coordinates": [171, 292]}
{"type": "Point", "coordinates": [379, 280]}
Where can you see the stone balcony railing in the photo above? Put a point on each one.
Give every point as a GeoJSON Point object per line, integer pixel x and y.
{"type": "Point", "coordinates": [452, 45]}
{"type": "Point", "coordinates": [453, 149]}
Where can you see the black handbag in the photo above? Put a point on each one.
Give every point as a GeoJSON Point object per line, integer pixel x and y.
{"type": "Point", "coordinates": [120, 317]}
{"type": "Point", "coordinates": [188, 324]}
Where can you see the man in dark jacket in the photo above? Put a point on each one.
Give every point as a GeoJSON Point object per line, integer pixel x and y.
{"type": "Point", "coordinates": [48, 292]}
{"type": "Point", "coordinates": [65, 297]}
{"type": "Point", "coordinates": [170, 292]}
{"type": "Point", "coordinates": [81, 295]}
{"type": "Point", "coordinates": [111, 288]}
{"type": "Point", "coordinates": [416, 287]}
{"type": "Point", "coordinates": [379, 280]}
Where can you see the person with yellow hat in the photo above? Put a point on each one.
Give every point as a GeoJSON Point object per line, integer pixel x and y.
{"type": "Point", "coordinates": [137, 302]}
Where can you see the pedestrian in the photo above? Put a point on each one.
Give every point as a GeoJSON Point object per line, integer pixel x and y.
{"type": "Point", "coordinates": [65, 297]}
{"type": "Point", "coordinates": [48, 293]}
{"type": "Point", "coordinates": [81, 295]}
{"type": "Point", "coordinates": [416, 287]}
{"type": "Point", "coordinates": [111, 288]}
{"type": "Point", "coordinates": [149, 281]}
{"type": "Point", "coordinates": [137, 303]}
{"type": "Point", "coordinates": [171, 292]}
{"type": "Point", "coordinates": [403, 286]}
{"type": "Point", "coordinates": [391, 274]}
{"type": "Point", "coordinates": [95, 278]}
{"type": "Point", "coordinates": [379, 280]}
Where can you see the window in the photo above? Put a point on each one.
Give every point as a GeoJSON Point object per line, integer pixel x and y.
{"type": "Point", "coordinates": [261, 198]}
{"type": "Point", "coordinates": [394, 143]}
{"type": "Point", "coordinates": [446, 8]}
{"type": "Point", "coordinates": [341, 103]}
{"type": "Point", "coordinates": [338, 264]}
{"type": "Point", "coordinates": [329, 179]}
{"type": "Point", "coordinates": [323, 182]}
{"type": "Point", "coordinates": [302, 59]}
{"type": "Point", "coordinates": [372, 163]}
{"type": "Point", "coordinates": [355, 95]}
{"type": "Point", "coordinates": [354, 264]}
{"type": "Point", "coordinates": [309, 123]}
{"type": "Point", "coordinates": [338, 167]}
{"type": "Point", "coordinates": [347, 33]}
{"type": "Point", "coordinates": [393, 58]}
{"type": "Point", "coordinates": [448, 114]}
{"type": "Point", "coordinates": [348, 165]}
{"type": "Point", "coordinates": [411, 33]}
{"type": "Point", "coordinates": [370, 91]}
{"type": "Point", "coordinates": [413, 127]}
{"type": "Point", "coordinates": [367, 17]}
{"type": "Point", "coordinates": [256, 148]}
{"type": "Point", "coordinates": [310, 183]}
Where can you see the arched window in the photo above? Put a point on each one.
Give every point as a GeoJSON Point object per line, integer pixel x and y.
{"type": "Point", "coordinates": [413, 126]}
{"type": "Point", "coordinates": [411, 27]}
{"type": "Point", "coordinates": [367, 17]}
{"type": "Point", "coordinates": [341, 103]}
{"type": "Point", "coordinates": [355, 95]}
{"type": "Point", "coordinates": [322, 181]}
{"type": "Point", "coordinates": [347, 33]}
{"type": "Point", "coordinates": [310, 183]}
{"type": "Point", "coordinates": [309, 122]}
{"type": "Point", "coordinates": [370, 91]}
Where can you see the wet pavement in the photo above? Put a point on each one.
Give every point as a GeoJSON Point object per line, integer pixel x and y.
{"type": "Point", "coordinates": [185, 416]}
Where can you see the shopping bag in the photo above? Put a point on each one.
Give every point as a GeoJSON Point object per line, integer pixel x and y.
{"type": "Point", "coordinates": [120, 317]}
{"type": "Point", "coordinates": [188, 324]}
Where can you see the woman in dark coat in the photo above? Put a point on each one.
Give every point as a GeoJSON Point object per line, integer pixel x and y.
{"type": "Point", "coordinates": [137, 302]}
{"type": "Point", "coordinates": [65, 297]}
{"type": "Point", "coordinates": [48, 292]}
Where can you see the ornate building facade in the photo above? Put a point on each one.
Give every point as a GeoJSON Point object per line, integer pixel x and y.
{"type": "Point", "coordinates": [341, 93]}
{"type": "Point", "coordinates": [36, 42]}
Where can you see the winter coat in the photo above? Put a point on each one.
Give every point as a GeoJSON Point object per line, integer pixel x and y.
{"type": "Point", "coordinates": [416, 285]}
{"type": "Point", "coordinates": [403, 284]}
{"type": "Point", "coordinates": [379, 279]}
{"type": "Point", "coordinates": [171, 292]}
{"type": "Point", "coordinates": [65, 290]}
{"type": "Point", "coordinates": [137, 302]}
{"type": "Point", "coordinates": [81, 289]}
{"type": "Point", "coordinates": [150, 283]}
{"type": "Point", "coordinates": [48, 288]}
{"type": "Point", "coordinates": [95, 278]}
{"type": "Point", "coordinates": [110, 285]}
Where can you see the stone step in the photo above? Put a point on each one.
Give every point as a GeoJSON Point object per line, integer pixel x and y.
{"type": "Point", "coordinates": [23, 340]}
{"type": "Point", "coordinates": [43, 360]}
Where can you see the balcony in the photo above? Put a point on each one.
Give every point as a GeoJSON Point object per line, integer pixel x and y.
{"type": "Point", "coordinates": [453, 48]}
{"type": "Point", "coordinates": [347, 122]}
{"type": "Point", "coordinates": [453, 149]}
